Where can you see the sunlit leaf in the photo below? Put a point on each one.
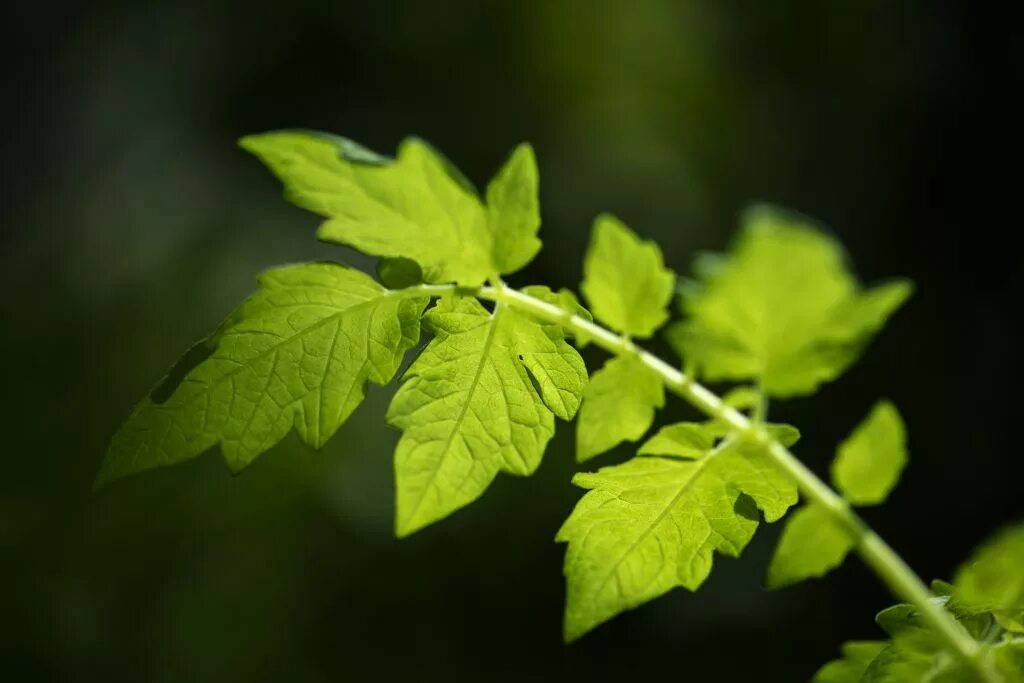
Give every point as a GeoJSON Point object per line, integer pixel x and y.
{"type": "Point", "coordinates": [416, 206]}
{"type": "Point", "coordinates": [479, 400]}
{"type": "Point", "coordinates": [993, 577]}
{"type": "Point", "coordinates": [618, 405]}
{"type": "Point", "coordinates": [625, 281]}
{"type": "Point", "coordinates": [811, 545]}
{"type": "Point", "coordinates": [654, 523]}
{"type": "Point", "coordinates": [781, 308]}
{"type": "Point", "coordinates": [868, 463]}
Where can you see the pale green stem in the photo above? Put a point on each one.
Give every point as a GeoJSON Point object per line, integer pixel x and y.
{"type": "Point", "coordinates": [889, 566]}
{"type": "Point", "coordinates": [760, 413]}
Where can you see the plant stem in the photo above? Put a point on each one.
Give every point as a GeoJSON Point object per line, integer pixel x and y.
{"type": "Point", "coordinates": [890, 567]}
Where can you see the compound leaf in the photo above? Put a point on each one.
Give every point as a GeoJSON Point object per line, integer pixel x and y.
{"type": "Point", "coordinates": [416, 206]}
{"type": "Point", "coordinates": [618, 405]}
{"type": "Point", "coordinates": [654, 523]}
{"type": "Point", "coordinates": [625, 280]}
{"type": "Point", "coordinates": [297, 353]}
{"type": "Point", "coordinates": [811, 545]}
{"type": "Point", "coordinates": [479, 400]}
{"type": "Point", "coordinates": [781, 308]}
{"type": "Point", "coordinates": [869, 462]}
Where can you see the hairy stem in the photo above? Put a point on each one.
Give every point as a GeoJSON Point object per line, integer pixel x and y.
{"type": "Point", "coordinates": [890, 567]}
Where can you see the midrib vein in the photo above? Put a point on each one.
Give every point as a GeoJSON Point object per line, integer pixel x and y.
{"type": "Point", "coordinates": [333, 317]}
{"type": "Point", "coordinates": [701, 465]}
{"type": "Point", "coordinates": [484, 353]}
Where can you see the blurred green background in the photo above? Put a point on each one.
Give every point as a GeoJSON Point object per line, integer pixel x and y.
{"type": "Point", "coordinates": [132, 224]}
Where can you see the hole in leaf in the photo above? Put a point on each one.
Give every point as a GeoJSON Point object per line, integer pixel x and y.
{"type": "Point", "coordinates": [746, 507]}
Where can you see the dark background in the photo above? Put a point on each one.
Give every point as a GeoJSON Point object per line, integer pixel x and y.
{"type": "Point", "coordinates": [132, 225]}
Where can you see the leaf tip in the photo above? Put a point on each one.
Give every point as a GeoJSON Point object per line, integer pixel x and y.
{"type": "Point", "coordinates": [775, 580]}
{"type": "Point", "coordinates": [573, 629]}
{"type": "Point", "coordinates": [405, 527]}
{"type": "Point", "coordinates": [103, 479]}
{"type": "Point", "coordinates": [249, 142]}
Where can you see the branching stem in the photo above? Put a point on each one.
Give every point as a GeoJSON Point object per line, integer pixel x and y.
{"type": "Point", "coordinates": [883, 560]}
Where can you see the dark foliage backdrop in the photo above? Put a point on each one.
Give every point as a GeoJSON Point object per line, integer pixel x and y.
{"type": "Point", "coordinates": [131, 224]}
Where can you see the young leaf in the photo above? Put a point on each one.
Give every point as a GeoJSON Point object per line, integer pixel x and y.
{"type": "Point", "coordinates": [480, 399]}
{"type": "Point", "coordinates": [781, 308]}
{"type": "Point", "coordinates": [868, 463]}
{"type": "Point", "coordinates": [857, 658]}
{"type": "Point", "coordinates": [653, 523]}
{"type": "Point", "coordinates": [625, 280]}
{"type": "Point", "coordinates": [993, 578]}
{"type": "Point", "coordinates": [986, 591]}
{"type": "Point", "coordinates": [417, 206]}
{"type": "Point", "coordinates": [297, 353]}
{"type": "Point", "coordinates": [618, 405]}
{"type": "Point", "coordinates": [514, 212]}
{"type": "Point", "coordinates": [916, 653]}
{"type": "Point", "coordinates": [811, 545]}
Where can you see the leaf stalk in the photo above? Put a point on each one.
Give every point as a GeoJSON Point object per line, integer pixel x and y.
{"type": "Point", "coordinates": [898, 577]}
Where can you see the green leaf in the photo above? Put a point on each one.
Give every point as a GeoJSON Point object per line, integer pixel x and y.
{"type": "Point", "coordinates": [399, 273]}
{"type": "Point", "coordinates": [743, 398]}
{"type": "Point", "coordinates": [479, 400]}
{"type": "Point", "coordinates": [653, 523]}
{"type": "Point", "coordinates": [993, 578]}
{"type": "Point", "coordinates": [781, 308]}
{"type": "Point", "coordinates": [297, 353]}
{"type": "Point", "coordinates": [811, 545]}
{"type": "Point", "coordinates": [514, 212]}
{"type": "Point", "coordinates": [857, 657]}
{"type": "Point", "coordinates": [690, 440]}
{"type": "Point", "coordinates": [787, 435]}
{"type": "Point", "coordinates": [916, 653]}
{"type": "Point", "coordinates": [986, 591]}
{"type": "Point", "coordinates": [625, 280]}
{"type": "Point", "coordinates": [869, 462]}
{"type": "Point", "coordinates": [416, 206]}
{"type": "Point", "coordinates": [411, 207]}
{"type": "Point", "coordinates": [866, 469]}
{"type": "Point", "coordinates": [1007, 658]}
{"type": "Point", "coordinates": [618, 405]}
{"type": "Point", "coordinates": [563, 298]}
{"type": "Point", "coordinates": [900, 664]}
{"type": "Point", "coordinates": [566, 300]}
